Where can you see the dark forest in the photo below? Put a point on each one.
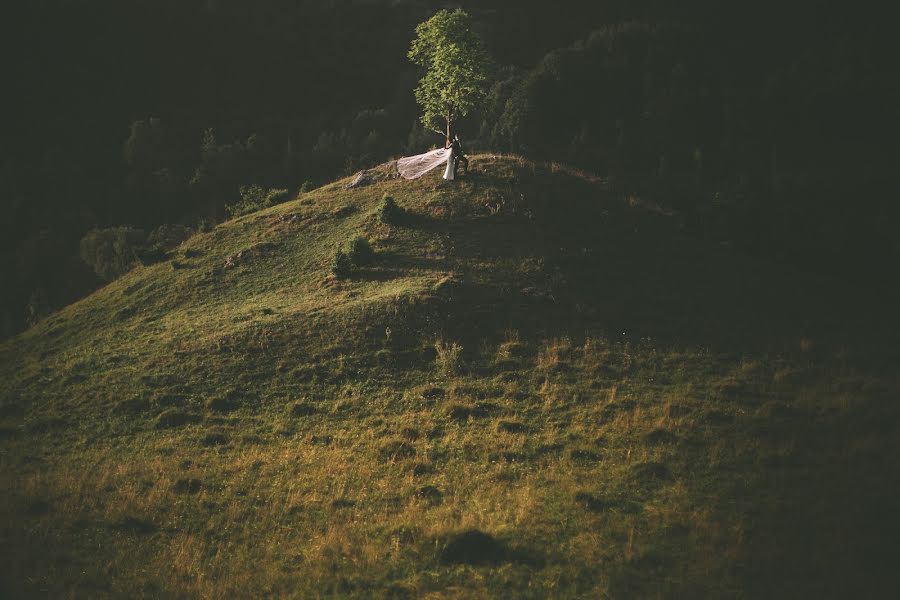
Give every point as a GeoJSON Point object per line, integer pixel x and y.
{"type": "Point", "coordinates": [770, 128]}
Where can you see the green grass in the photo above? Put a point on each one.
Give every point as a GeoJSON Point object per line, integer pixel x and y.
{"type": "Point", "coordinates": [631, 413]}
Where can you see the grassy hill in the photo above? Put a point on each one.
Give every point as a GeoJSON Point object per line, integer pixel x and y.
{"type": "Point", "coordinates": [536, 389]}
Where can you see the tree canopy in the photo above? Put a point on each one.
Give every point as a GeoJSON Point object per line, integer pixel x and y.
{"type": "Point", "coordinates": [456, 69]}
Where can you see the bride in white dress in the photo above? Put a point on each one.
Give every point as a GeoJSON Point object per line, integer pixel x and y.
{"type": "Point", "coordinates": [451, 166]}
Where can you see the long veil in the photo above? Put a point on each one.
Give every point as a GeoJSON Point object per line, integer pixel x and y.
{"type": "Point", "coordinates": [413, 167]}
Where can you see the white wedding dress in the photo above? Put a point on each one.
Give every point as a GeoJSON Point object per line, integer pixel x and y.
{"type": "Point", "coordinates": [449, 171]}
{"type": "Point", "coordinates": [413, 167]}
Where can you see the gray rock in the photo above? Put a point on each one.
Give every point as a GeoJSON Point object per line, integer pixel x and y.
{"type": "Point", "coordinates": [362, 179]}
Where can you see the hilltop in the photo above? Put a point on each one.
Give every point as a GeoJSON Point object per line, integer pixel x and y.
{"type": "Point", "coordinates": [536, 388]}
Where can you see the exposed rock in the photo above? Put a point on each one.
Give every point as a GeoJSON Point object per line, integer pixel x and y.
{"type": "Point", "coordinates": [362, 179]}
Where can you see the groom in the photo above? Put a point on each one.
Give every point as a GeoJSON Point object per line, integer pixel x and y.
{"type": "Point", "coordinates": [458, 155]}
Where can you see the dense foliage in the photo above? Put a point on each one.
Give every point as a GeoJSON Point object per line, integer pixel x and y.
{"type": "Point", "coordinates": [776, 155]}
{"type": "Point", "coordinates": [111, 252]}
{"type": "Point", "coordinates": [254, 198]}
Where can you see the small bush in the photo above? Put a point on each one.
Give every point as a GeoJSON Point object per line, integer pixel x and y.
{"type": "Point", "coordinates": [360, 251]}
{"type": "Point", "coordinates": [306, 187]}
{"type": "Point", "coordinates": [254, 198]}
{"type": "Point", "coordinates": [169, 236]}
{"type": "Point", "coordinates": [448, 359]}
{"type": "Point", "coordinates": [342, 266]}
{"type": "Point", "coordinates": [111, 252]}
{"type": "Point", "coordinates": [389, 212]}
{"type": "Point", "coordinates": [150, 255]}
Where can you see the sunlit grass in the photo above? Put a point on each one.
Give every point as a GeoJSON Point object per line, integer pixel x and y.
{"type": "Point", "coordinates": [611, 414]}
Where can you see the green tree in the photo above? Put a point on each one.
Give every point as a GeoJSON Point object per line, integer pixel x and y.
{"type": "Point", "coordinates": [456, 69]}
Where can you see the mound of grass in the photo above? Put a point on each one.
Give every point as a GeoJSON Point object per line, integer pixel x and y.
{"type": "Point", "coordinates": [646, 410]}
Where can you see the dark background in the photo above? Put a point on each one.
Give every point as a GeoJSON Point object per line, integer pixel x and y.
{"type": "Point", "coordinates": [770, 126]}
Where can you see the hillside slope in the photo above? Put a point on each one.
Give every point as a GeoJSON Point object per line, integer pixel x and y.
{"type": "Point", "coordinates": [630, 413]}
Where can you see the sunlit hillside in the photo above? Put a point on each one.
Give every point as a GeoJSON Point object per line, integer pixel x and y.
{"type": "Point", "coordinates": [536, 388]}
